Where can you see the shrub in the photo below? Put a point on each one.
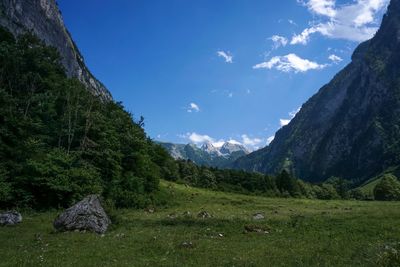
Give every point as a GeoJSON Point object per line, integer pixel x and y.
{"type": "Point", "coordinates": [388, 189]}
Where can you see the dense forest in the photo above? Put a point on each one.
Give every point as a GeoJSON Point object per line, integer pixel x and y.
{"type": "Point", "coordinates": [59, 143]}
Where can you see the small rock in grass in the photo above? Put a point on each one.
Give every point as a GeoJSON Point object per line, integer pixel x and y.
{"type": "Point", "coordinates": [203, 214]}
{"type": "Point", "coordinates": [10, 218]}
{"type": "Point", "coordinates": [187, 244]}
{"type": "Point", "coordinates": [256, 229]}
{"type": "Point", "coordinates": [150, 210]}
{"type": "Point", "coordinates": [258, 216]}
{"type": "Point", "coordinates": [120, 235]}
{"type": "Point", "coordinates": [172, 215]}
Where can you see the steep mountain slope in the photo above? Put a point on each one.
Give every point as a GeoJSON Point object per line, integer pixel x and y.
{"type": "Point", "coordinates": [207, 155]}
{"type": "Point", "coordinates": [44, 19]}
{"type": "Point", "coordinates": [351, 127]}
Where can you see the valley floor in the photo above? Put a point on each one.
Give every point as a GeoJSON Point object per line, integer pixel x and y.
{"type": "Point", "coordinates": [296, 232]}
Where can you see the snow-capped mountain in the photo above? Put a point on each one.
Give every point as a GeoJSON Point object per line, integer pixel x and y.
{"type": "Point", "coordinates": [207, 154]}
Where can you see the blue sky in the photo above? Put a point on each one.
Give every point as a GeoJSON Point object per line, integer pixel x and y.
{"type": "Point", "coordinates": [207, 70]}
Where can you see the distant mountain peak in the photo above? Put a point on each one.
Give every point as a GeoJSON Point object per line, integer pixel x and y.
{"type": "Point", "coordinates": [231, 147]}
{"type": "Point", "coordinates": [208, 146]}
{"type": "Point", "coordinates": [208, 154]}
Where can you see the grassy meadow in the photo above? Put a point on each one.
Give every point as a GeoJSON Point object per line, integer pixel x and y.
{"type": "Point", "coordinates": [295, 232]}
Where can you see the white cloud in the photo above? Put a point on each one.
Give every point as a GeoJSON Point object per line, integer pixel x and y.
{"type": "Point", "coordinates": [304, 37]}
{"type": "Point", "coordinates": [335, 58]}
{"type": "Point", "coordinates": [284, 122]}
{"type": "Point", "coordinates": [355, 22]}
{"type": "Point", "coordinates": [226, 55]}
{"type": "Point", "coordinates": [234, 142]}
{"type": "Point", "coordinates": [247, 141]}
{"type": "Point", "coordinates": [270, 139]}
{"type": "Point", "coordinates": [199, 139]}
{"type": "Point", "coordinates": [292, 114]}
{"type": "Point", "coordinates": [193, 107]}
{"type": "Point", "coordinates": [289, 63]}
{"type": "Point", "coordinates": [278, 41]}
{"type": "Point", "coordinates": [218, 144]}
{"type": "Point", "coordinates": [322, 7]}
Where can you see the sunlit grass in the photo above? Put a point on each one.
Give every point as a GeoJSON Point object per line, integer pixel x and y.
{"type": "Point", "coordinates": [300, 233]}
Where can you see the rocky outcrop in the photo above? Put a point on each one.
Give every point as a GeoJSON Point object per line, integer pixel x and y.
{"type": "Point", "coordinates": [350, 128]}
{"type": "Point", "coordinates": [43, 18]}
{"type": "Point", "coordinates": [86, 215]}
{"type": "Point", "coordinates": [10, 218]}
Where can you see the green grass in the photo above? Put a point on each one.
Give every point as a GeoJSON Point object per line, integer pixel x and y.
{"type": "Point", "coordinates": [300, 233]}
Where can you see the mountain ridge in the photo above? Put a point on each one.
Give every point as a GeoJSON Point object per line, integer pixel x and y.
{"type": "Point", "coordinates": [349, 127]}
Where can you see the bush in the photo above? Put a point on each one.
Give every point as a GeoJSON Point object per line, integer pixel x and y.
{"type": "Point", "coordinates": [59, 179]}
{"type": "Point", "coordinates": [388, 189]}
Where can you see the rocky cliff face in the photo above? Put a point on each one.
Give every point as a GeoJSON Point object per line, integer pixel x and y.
{"type": "Point", "coordinates": [44, 19]}
{"type": "Point", "coordinates": [351, 127]}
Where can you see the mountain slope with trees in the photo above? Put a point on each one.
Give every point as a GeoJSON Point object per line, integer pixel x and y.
{"type": "Point", "coordinates": [350, 128]}
{"type": "Point", "coordinates": [59, 143]}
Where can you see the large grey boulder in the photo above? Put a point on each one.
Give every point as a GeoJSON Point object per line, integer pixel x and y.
{"type": "Point", "coordinates": [87, 214]}
{"type": "Point", "coordinates": [10, 218]}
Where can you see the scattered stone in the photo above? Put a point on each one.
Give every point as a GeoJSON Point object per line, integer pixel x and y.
{"type": "Point", "coordinates": [87, 214]}
{"type": "Point", "coordinates": [150, 210]}
{"type": "Point", "coordinates": [258, 216]}
{"type": "Point", "coordinates": [203, 214]}
{"type": "Point", "coordinates": [120, 235]}
{"type": "Point", "coordinates": [187, 244]}
{"type": "Point", "coordinates": [10, 218]}
{"type": "Point", "coordinates": [187, 214]}
{"type": "Point", "coordinates": [256, 229]}
{"type": "Point", "coordinates": [38, 237]}
{"type": "Point", "coordinates": [221, 235]}
{"type": "Point", "coordinates": [172, 215]}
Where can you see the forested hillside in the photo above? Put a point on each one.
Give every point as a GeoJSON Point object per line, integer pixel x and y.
{"type": "Point", "coordinates": [59, 143]}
